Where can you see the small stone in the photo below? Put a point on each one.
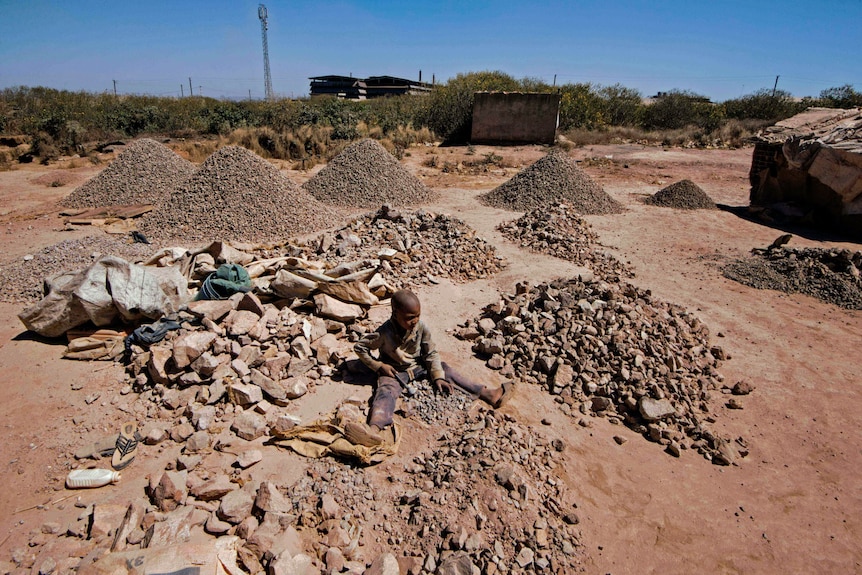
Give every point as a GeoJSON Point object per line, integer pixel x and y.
{"type": "Point", "coordinates": [249, 425]}
{"type": "Point", "coordinates": [215, 488]}
{"type": "Point", "coordinates": [215, 526]}
{"type": "Point", "coordinates": [734, 403]}
{"type": "Point", "coordinates": [235, 506]}
{"type": "Point", "coordinates": [524, 557]}
{"type": "Point", "coordinates": [248, 458]}
{"type": "Point", "coordinates": [742, 388]}
{"type": "Point", "coordinates": [655, 409]}
{"type": "Point", "coordinates": [198, 441]}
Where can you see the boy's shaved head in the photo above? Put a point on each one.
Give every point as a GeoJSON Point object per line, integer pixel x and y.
{"type": "Point", "coordinates": [405, 300]}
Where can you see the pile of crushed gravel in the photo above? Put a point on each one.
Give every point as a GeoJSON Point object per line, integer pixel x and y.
{"type": "Point", "coordinates": [21, 280]}
{"type": "Point", "coordinates": [145, 173]}
{"type": "Point", "coordinates": [554, 178]}
{"type": "Point", "coordinates": [560, 232]}
{"type": "Point", "coordinates": [832, 276]}
{"type": "Point", "coordinates": [684, 195]}
{"type": "Point", "coordinates": [236, 195]}
{"type": "Point", "coordinates": [365, 175]}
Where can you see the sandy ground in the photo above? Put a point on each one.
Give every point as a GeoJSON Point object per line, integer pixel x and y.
{"type": "Point", "coordinates": [794, 505]}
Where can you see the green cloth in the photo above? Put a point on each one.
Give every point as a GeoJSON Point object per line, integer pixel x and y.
{"type": "Point", "coordinates": [227, 280]}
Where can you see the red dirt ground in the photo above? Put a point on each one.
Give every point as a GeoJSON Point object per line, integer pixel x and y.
{"type": "Point", "coordinates": [794, 505]}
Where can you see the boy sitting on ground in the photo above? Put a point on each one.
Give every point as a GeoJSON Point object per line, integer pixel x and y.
{"type": "Point", "coordinates": [406, 352]}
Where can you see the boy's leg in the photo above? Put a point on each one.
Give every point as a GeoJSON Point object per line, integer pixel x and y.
{"type": "Point", "coordinates": [383, 405]}
{"type": "Point", "coordinates": [491, 396]}
{"type": "Point", "coordinates": [461, 381]}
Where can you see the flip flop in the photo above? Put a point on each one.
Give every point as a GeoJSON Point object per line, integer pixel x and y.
{"type": "Point", "coordinates": [508, 390]}
{"type": "Point", "coordinates": [127, 443]}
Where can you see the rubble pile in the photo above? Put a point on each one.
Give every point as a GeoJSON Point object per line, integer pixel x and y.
{"type": "Point", "coordinates": [236, 195]}
{"type": "Point", "coordinates": [559, 231]}
{"type": "Point", "coordinates": [485, 496]}
{"type": "Point", "coordinates": [415, 247]}
{"type": "Point", "coordinates": [684, 195]}
{"type": "Point", "coordinates": [610, 350]}
{"type": "Point", "coordinates": [232, 374]}
{"type": "Point", "coordinates": [22, 280]}
{"type": "Point", "coordinates": [366, 175]}
{"type": "Point", "coordinates": [830, 275]}
{"type": "Point", "coordinates": [554, 178]}
{"type": "Point", "coordinates": [146, 172]}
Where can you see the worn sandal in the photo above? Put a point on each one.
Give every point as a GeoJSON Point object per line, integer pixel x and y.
{"type": "Point", "coordinates": [127, 443]}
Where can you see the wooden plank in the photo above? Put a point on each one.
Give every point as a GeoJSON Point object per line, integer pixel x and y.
{"type": "Point", "coordinates": [123, 212]}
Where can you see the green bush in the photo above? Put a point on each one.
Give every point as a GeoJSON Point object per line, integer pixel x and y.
{"type": "Point", "coordinates": [762, 105]}
{"type": "Point", "coordinates": [679, 108]}
{"type": "Point", "coordinates": [450, 109]}
{"type": "Point", "coordinates": [841, 97]}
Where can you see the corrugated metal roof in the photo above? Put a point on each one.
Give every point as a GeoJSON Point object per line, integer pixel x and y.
{"type": "Point", "coordinates": [835, 128]}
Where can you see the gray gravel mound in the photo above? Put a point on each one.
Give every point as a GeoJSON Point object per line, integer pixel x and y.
{"type": "Point", "coordinates": [554, 178]}
{"type": "Point", "coordinates": [829, 275]}
{"type": "Point", "coordinates": [684, 195]}
{"type": "Point", "coordinates": [146, 172]}
{"type": "Point", "coordinates": [365, 175]}
{"type": "Point", "coordinates": [558, 231]}
{"type": "Point", "coordinates": [21, 281]}
{"type": "Point", "coordinates": [236, 195]}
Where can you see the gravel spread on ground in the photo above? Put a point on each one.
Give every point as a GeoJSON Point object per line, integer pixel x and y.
{"type": "Point", "coordinates": [146, 172]}
{"type": "Point", "coordinates": [560, 232]}
{"type": "Point", "coordinates": [684, 194]}
{"type": "Point", "coordinates": [554, 178]}
{"type": "Point", "coordinates": [366, 175]}
{"type": "Point", "coordinates": [832, 276]}
{"type": "Point", "coordinates": [22, 280]}
{"type": "Point", "coordinates": [236, 195]}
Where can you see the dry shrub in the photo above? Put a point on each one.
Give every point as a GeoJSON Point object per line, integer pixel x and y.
{"type": "Point", "coordinates": [199, 150]}
{"type": "Point", "coordinates": [406, 136]}
{"type": "Point", "coordinates": [735, 133]}
{"type": "Point", "coordinates": [366, 131]}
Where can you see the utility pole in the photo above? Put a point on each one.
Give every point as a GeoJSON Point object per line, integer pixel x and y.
{"type": "Point", "coordinates": [181, 91]}
{"type": "Point", "coordinates": [200, 91]}
{"type": "Point", "coordinates": [115, 88]}
{"type": "Point", "coordinates": [191, 92]}
{"type": "Point", "coordinates": [555, 81]}
{"type": "Point", "coordinates": [775, 86]}
{"type": "Point", "coordinates": [267, 78]}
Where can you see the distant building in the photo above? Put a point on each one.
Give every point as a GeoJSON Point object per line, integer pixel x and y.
{"type": "Point", "coordinates": [514, 118]}
{"type": "Point", "coordinates": [351, 88]}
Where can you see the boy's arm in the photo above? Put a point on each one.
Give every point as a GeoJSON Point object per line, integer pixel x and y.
{"type": "Point", "coordinates": [363, 347]}
{"type": "Point", "coordinates": [430, 355]}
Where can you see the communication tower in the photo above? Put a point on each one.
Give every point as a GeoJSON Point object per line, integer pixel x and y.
{"type": "Point", "coordinates": [267, 78]}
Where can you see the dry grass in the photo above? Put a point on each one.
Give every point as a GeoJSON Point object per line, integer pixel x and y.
{"type": "Point", "coordinates": [731, 134]}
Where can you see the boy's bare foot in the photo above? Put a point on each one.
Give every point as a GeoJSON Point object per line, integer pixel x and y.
{"type": "Point", "coordinates": [499, 396]}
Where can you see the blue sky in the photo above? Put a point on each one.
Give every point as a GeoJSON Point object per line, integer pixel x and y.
{"type": "Point", "coordinates": [721, 49]}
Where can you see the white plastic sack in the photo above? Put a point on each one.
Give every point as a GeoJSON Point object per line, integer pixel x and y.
{"type": "Point", "coordinates": [110, 288]}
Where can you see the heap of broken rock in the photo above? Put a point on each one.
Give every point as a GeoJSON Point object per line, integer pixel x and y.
{"type": "Point", "coordinates": [612, 350]}
{"type": "Point", "coordinates": [602, 346]}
